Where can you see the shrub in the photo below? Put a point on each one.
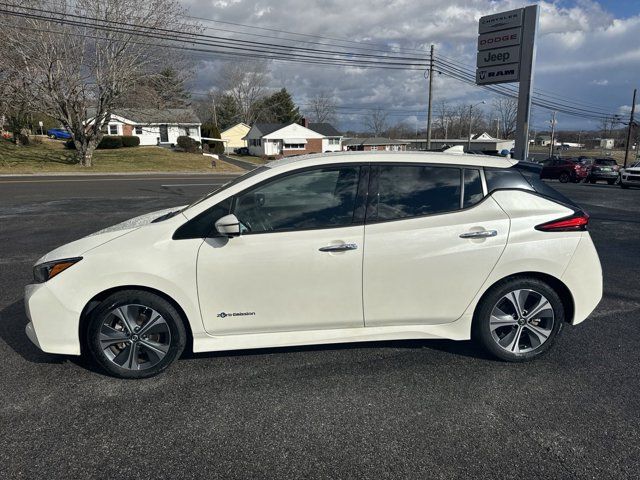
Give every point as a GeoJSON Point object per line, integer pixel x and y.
{"type": "Point", "coordinates": [130, 141]}
{"type": "Point", "coordinates": [110, 141]}
{"type": "Point", "coordinates": [188, 144]}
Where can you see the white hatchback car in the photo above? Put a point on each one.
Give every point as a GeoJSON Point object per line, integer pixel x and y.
{"type": "Point", "coordinates": [325, 249]}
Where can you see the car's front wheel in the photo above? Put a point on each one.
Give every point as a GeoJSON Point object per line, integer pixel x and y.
{"type": "Point", "coordinates": [135, 334]}
{"type": "Point", "coordinates": [518, 319]}
{"type": "Point", "coordinates": [564, 177]}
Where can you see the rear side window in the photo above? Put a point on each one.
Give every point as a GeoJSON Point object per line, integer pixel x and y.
{"type": "Point", "coordinates": [409, 191]}
{"type": "Point", "coordinates": [522, 179]}
{"type": "Point", "coordinates": [472, 187]}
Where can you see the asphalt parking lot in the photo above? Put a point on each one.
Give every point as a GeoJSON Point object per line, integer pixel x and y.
{"type": "Point", "coordinates": [415, 409]}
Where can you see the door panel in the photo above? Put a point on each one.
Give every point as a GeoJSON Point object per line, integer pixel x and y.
{"type": "Point", "coordinates": [298, 264]}
{"type": "Point", "coordinates": [419, 270]}
{"type": "Point", "coordinates": [281, 282]}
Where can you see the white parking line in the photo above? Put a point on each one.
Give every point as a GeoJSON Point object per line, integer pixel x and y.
{"type": "Point", "coordinates": [191, 185]}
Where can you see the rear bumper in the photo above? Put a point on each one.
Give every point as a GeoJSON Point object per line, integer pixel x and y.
{"type": "Point", "coordinates": [583, 277]}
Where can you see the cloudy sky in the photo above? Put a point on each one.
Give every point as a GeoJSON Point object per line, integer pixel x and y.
{"type": "Point", "coordinates": [588, 51]}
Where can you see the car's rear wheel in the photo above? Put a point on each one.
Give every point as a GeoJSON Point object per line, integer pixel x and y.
{"type": "Point", "coordinates": [564, 177]}
{"type": "Point", "coordinates": [518, 320]}
{"type": "Point", "coordinates": [623, 185]}
{"type": "Point", "coordinates": [135, 334]}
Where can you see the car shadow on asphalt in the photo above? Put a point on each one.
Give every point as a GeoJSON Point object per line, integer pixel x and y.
{"type": "Point", "coordinates": [452, 347]}
{"type": "Point", "coordinates": [13, 319]}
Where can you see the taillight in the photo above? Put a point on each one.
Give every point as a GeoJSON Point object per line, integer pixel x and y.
{"type": "Point", "coordinates": [576, 222]}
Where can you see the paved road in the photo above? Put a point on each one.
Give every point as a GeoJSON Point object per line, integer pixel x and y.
{"type": "Point", "coordinates": [432, 409]}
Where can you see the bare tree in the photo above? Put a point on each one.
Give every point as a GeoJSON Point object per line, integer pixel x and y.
{"type": "Point", "coordinates": [322, 108]}
{"type": "Point", "coordinates": [376, 122]}
{"type": "Point", "coordinates": [77, 68]}
{"type": "Point", "coordinates": [506, 111]}
{"type": "Point", "coordinates": [246, 83]}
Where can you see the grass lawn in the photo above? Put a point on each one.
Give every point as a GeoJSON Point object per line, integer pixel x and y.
{"type": "Point", "coordinates": [51, 156]}
{"type": "Point", "coordinates": [249, 158]}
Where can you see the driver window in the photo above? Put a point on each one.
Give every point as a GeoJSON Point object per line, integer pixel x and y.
{"type": "Point", "coordinates": [322, 198]}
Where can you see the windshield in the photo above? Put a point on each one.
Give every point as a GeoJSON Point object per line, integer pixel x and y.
{"type": "Point", "coordinates": [233, 182]}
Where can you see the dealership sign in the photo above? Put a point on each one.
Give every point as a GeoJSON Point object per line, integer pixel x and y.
{"type": "Point", "coordinates": [506, 53]}
{"type": "Point", "coordinates": [504, 38]}
{"type": "Point", "coordinates": [499, 74]}
{"type": "Point", "coordinates": [499, 56]}
{"type": "Point", "coordinates": [500, 21]}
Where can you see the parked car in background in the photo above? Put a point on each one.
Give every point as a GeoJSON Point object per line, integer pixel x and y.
{"type": "Point", "coordinates": [630, 176]}
{"type": "Point", "coordinates": [242, 151]}
{"type": "Point", "coordinates": [565, 170]}
{"type": "Point", "coordinates": [606, 169]}
{"type": "Point", "coordinates": [58, 133]}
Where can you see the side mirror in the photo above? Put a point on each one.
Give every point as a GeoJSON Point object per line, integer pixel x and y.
{"type": "Point", "coordinates": [229, 226]}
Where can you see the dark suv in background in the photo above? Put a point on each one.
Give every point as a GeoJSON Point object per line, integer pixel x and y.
{"type": "Point", "coordinates": [603, 169]}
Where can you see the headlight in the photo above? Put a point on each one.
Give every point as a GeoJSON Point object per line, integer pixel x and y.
{"type": "Point", "coordinates": [48, 270]}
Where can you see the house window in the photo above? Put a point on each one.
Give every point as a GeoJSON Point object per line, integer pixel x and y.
{"type": "Point", "coordinates": [374, 148]}
{"type": "Point", "coordinates": [113, 129]}
{"type": "Point", "coordinates": [334, 141]}
{"type": "Point", "coordinates": [255, 142]}
{"type": "Point", "coordinates": [187, 132]}
{"type": "Point", "coordinates": [138, 130]}
{"type": "Point", "coordinates": [293, 146]}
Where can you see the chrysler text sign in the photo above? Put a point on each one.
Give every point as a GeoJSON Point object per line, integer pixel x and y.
{"type": "Point", "coordinates": [498, 74]}
{"type": "Point", "coordinates": [498, 56]}
{"type": "Point", "coordinates": [500, 21]}
{"type": "Point", "coordinates": [504, 38]}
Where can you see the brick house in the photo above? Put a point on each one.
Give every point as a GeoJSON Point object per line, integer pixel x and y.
{"type": "Point", "coordinates": [281, 140]}
{"type": "Point", "coordinates": [154, 126]}
{"type": "Point", "coordinates": [375, 144]}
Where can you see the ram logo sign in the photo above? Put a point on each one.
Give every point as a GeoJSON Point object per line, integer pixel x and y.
{"type": "Point", "coordinates": [498, 74]}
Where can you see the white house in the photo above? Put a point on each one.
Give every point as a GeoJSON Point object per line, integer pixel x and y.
{"type": "Point", "coordinates": [155, 126]}
{"type": "Point", "coordinates": [276, 139]}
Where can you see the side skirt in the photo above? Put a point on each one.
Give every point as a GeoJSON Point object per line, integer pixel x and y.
{"type": "Point", "coordinates": [458, 330]}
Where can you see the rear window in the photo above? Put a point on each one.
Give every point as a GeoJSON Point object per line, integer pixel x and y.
{"type": "Point", "coordinates": [522, 177]}
{"type": "Point", "coordinates": [606, 161]}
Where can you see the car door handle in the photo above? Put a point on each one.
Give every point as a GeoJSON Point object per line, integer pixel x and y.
{"type": "Point", "coordinates": [480, 234]}
{"type": "Point", "coordinates": [339, 248]}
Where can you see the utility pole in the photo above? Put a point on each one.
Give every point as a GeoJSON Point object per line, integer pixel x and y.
{"type": "Point", "coordinates": [430, 94]}
{"type": "Point", "coordinates": [633, 111]}
{"type": "Point", "coordinates": [497, 128]}
{"type": "Point", "coordinates": [470, 120]}
{"type": "Point", "coordinates": [553, 134]}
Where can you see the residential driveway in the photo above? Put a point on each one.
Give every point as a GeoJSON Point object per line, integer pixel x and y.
{"type": "Point", "coordinates": [415, 409]}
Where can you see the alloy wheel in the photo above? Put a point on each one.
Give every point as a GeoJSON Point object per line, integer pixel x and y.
{"type": "Point", "coordinates": [135, 337]}
{"type": "Point", "coordinates": [521, 321]}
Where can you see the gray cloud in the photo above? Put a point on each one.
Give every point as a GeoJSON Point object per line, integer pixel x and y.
{"type": "Point", "coordinates": [580, 46]}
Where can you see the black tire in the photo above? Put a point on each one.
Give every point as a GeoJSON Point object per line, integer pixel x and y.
{"type": "Point", "coordinates": [623, 185]}
{"type": "Point", "coordinates": [481, 328]}
{"type": "Point", "coordinates": [101, 314]}
{"type": "Point", "coordinates": [611, 182]}
{"type": "Point", "coordinates": [592, 181]}
{"type": "Point", "coordinates": [564, 177]}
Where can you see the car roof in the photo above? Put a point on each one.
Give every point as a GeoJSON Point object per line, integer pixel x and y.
{"type": "Point", "coordinates": [443, 158]}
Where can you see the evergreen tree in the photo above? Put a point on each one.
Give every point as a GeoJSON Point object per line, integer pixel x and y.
{"type": "Point", "coordinates": [278, 108]}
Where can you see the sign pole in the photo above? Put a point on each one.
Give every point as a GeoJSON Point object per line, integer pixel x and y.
{"type": "Point", "coordinates": [527, 59]}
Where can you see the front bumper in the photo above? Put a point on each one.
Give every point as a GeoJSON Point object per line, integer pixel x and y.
{"type": "Point", "coordinates": [52, 327]}
{"type": "Point", "coordinates": [631, 177]}
{"type": "Point", "coordinates": [604, 175]}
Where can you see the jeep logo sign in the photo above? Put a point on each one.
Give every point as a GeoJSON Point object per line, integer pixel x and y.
{"type": "Point", "coordinates": [499, 56]}
{"type": "Point", "coordinates": [505, 38]}
{"type": "Point", "coordinates": [499, 74]}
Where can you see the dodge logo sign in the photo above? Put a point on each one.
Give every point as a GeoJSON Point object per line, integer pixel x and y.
{"type": "Point", "coordinates": [506, 38]}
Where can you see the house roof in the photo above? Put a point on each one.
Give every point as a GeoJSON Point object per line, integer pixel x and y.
{"type": "Point", "coordinates": [241, 124]}
{"type": "Point", "coordinates": [324, 129]}
{"type": "Point", "coordinates": [155, 115]}
{"type": "Point", "coordinates": [374, 141]}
